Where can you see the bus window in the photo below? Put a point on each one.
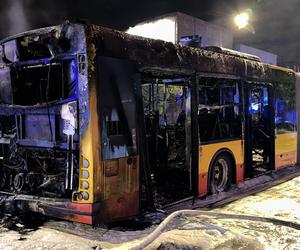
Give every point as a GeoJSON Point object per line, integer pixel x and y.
{"type": "Point", "coordinates": [166, 105]}
{"type": "Point", "coordinates": [285, 110]}
{"type": "Point", "coordinates": [219, 110]}
{"type": "Point", "coordinates": [259, 105]}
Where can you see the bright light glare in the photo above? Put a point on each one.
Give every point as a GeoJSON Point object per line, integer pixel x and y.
{"type": "Point", "coordinates": [163, 29]}
{"type": "Point", "coordinates": [241, 20]}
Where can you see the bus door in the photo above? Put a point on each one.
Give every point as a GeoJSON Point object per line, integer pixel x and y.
{"type": "Point", "coordinates": [167, 110]}
{"type": "Point", "coordinates": [259, 133]}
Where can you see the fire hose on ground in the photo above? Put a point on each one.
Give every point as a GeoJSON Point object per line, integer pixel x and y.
{"type": "Point", "coordinates": [159, 230]}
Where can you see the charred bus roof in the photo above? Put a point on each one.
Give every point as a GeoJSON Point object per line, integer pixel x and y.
{"type": "Point", "coordinates": [156, 55]}
{"type": "Point", "coordinates": [231, 52]}
{"type": "Point", "coordinates": [42, 44]}
{"type": "Point", "coordinates": [30, 32]}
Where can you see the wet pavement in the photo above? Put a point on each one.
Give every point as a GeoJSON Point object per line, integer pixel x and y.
{"type": "Point", "coordinates": [266, 220]}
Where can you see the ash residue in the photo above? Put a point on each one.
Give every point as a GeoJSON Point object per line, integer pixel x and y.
{"type": "Point", "coordinates": [23, 223]}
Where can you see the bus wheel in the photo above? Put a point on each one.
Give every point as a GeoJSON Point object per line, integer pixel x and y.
{"type": "Point", "coordinates": [219, 176]}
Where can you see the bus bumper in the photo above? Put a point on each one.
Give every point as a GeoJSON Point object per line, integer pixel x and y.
{"type": "Point", "coordinates": [53, 207]}
{"type": "Point", "coordinates": [114, 209]}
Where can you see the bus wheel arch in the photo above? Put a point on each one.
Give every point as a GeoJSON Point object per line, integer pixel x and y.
{"type": "Point", "coordinates": [222, 161]}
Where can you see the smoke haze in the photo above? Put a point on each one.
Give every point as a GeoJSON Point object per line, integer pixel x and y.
{"type": "Point", "coordinates": [17, 20]}
{"type": "Point", "coordinates": [277, 29]}
{"type": "Point", "coordinates": [276, 22]}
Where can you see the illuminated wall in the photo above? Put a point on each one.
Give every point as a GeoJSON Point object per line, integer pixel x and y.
{"type": "Point", "coordinates": [266, 57]}
{"type": "Point", "coordinates": [172, 27]}
{"type": "Point", "coordinates": [163, 29]}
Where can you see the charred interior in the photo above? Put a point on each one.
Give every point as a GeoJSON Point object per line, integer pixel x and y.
{"type": "Point", "coordinates": [40, 84]}
{"type": "Point", "coordinates": [167, 110]}
{"type": "Point", "coordinates": [259, 128]}
{"type": "Point", "coordinates": [38, 123]}
{"type": "Point", "coordinates": [33, 171]}
{"type": "Point", "coordinates": [219, 110]}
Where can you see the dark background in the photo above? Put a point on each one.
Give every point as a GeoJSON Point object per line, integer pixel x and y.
{"type": "Point", "coordinates": [276, 23]}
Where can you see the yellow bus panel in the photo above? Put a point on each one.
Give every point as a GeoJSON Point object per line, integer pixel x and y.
{"type": "Point", "coordinates": [206, 154]}
{"type": "Point", "coordinates": [285, 149]}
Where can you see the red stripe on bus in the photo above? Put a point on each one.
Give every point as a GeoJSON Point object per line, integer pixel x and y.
{"type": "Point", "coordinates": [202, 184]}
{"type": "Point", "coordinates": [239, 173]}
{"type": "Point", "coordinates": [86, 208]}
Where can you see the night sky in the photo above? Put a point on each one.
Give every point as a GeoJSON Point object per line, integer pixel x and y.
{"type": "Point", "coordinates": [276, 23]}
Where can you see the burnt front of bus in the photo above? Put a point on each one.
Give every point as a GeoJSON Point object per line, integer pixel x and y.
{"type": "Point", "coordinates": [40, 79]}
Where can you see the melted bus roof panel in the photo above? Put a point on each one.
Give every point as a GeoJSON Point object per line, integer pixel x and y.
{"type": "Point", "coordinates": [159, 54]}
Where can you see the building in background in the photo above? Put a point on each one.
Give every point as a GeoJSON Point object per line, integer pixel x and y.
{"type": "Point", "coordinates": [178, 26]}
{"type": "Point", "coordinates": [265, 56]}
{"type": "Point", "coordinates": [184, 29]}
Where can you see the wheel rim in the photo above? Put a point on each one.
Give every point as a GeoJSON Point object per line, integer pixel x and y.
{"type": "Point", "coordinates": [220, 174]}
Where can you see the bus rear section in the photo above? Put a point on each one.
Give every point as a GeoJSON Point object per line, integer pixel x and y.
{"type": "Point", "coordinates": [247, 127]}
{"type": "Point", "coordinates": [241, 128]}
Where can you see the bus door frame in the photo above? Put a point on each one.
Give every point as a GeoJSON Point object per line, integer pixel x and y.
{"type": "Point", "coordinates": [191, 140]}
{"type": "Point", "coordinates": [248, 86]}
{"type": "Point", "coordinates": [194, 143]}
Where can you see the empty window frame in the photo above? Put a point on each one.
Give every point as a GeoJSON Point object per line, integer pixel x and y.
{"type": "Point", "coordinates": [219, 109]}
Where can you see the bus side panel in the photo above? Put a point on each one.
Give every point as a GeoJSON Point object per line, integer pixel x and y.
{"type": "Point", "coordinates": [118, 153]}
{"type": "Point", "coordinates": [121, 189]}
{"type": "Point", "coordinates": [207, 153]}
{"type": "Point", "coordinates": [286, 107]}
{"type": "Point", "coordinates": [285, 149]}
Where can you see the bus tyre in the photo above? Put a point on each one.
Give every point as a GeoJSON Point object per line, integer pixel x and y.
{"type": "Point", "coordinates": [220, 174]}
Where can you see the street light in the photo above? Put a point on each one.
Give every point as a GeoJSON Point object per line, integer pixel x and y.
{"type": "Point", "coordinates": [242, 20]}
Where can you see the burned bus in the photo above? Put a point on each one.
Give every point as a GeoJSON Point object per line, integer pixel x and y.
{"type": "Point", "coordinates": [97, 125]}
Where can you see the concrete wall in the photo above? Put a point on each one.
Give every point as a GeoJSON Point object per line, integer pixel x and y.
{"type": "Point", "coordinates": [211, 34]}
{"type": "Point", "coordinates": [265, 56]}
